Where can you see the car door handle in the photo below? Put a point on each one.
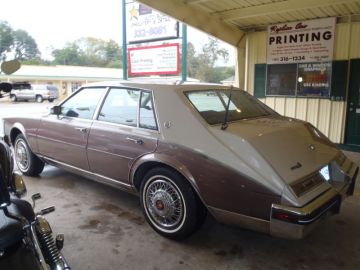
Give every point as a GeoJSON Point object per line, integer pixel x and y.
{"type": "Point", "coordinates": [137, 141]}
{"type": "Point", "coordinates": [83, 130]}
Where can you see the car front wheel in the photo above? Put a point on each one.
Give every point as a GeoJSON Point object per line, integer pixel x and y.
{"type": "Point", "coordinates": [27, 162]}
{"type": "Point", "coordinates": [169, 203]}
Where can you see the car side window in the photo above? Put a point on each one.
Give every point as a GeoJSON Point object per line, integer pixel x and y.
{"type": "Point", "coordinates": [147, 115]}
{"type": "Point", "coordinates": [120, 107]}
{"type": "Point", "coordinates": [83, 104]}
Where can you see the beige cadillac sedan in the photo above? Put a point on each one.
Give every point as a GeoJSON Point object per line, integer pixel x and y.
{"type": "Point", "coordinates": [188, 150]}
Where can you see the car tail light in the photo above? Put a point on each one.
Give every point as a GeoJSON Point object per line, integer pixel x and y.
{"type": "Point", "coordinates": [285, 216]}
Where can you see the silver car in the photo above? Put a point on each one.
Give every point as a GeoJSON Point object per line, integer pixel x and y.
{"type": "Point", "coordinates": [37, 92]}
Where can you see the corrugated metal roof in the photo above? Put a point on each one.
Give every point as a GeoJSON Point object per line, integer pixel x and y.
{"type": "Point", "coordinates": [255, 14]}
{"type": "Point", "coordinates": [248, 15]}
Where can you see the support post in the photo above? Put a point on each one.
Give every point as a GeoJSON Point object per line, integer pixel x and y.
{"type": "Point", "coordinates": [184, 53]}
{"type": "Point", "coordinates": [124, 43]}
{"type": "Point", "coordinates": [241, 66]}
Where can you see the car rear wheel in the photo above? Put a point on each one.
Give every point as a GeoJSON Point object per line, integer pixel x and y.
{"type": "Point", "coordinates": [39, 99]}
{"type": "Point", "coordinates": [51, 100]}
{"type": "Point", "coordinates": [169, 203]}
{"type": "Point", "coordinates": [27, 162]}
{"type": "Point", "coordinates": [13, 98]}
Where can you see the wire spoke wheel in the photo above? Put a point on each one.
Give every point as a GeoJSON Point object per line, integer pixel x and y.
{"type": "Point", "coordinates": [164, 202]}
{"type": "Point", "coordinates": [169, 203]}
{"type": "Point", "coordinates": [22, 155]}
{"type": "Point", "coordinates": [27, 162]}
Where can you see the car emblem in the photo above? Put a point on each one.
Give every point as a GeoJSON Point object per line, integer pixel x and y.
{"type": "Point", "coordinates": [312, 147]}
{"type": "Point", "coordinates": [167, 124]}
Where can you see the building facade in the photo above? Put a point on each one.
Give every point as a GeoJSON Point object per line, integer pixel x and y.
{"type": "Point", "coordinates": [331, 115]}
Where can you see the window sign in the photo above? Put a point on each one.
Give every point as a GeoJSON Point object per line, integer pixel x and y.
{"type": "Point", "coordinates": [314, 79]}
{"type": "Point", "coordinates": [145, 24]}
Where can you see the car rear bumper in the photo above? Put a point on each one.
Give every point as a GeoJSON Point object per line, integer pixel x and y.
{"type": "Point", "coordinates": [296, 223]}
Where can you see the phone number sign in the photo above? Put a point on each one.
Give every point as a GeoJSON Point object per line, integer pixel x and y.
{"type": "Point", "coordinates": [300, 42]}
{"type": "Point", "coordinates": [145, 24]}
{"type": "Point", "coordinates": [154, 60]}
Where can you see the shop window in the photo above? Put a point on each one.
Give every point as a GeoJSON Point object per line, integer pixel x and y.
{"type": "Point", "coordinates": [321, 80]}
{"type": "Point", "coordinates": [281, 80]}
{"type": "Point", "coordinates": [75, 86]}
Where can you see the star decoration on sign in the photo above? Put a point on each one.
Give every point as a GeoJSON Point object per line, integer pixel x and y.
{"type": "Point", "coordinates": [134, 13]}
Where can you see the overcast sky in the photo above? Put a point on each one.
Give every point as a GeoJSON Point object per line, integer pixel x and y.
{"type": "Point", "coordinates": [52, 23]}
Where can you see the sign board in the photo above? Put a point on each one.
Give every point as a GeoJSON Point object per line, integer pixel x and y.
{"type": "Point", "coordinates": [144, 24]}
{"type": "Point", "coordinates": [314, 79]}
{"type": "Point", "coordinates": [154, 60]}
{"type": "Point", "coordinates": [301, 42]}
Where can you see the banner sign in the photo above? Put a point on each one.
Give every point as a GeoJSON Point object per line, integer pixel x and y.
{"type": "Point", "coordinates": [145, 24]}
{"type": "Point", "coordinates": [154, 60]}
{"type": "Point", "coordinates": [300, 42]}
{"type": "Point", "coordinates": [314, 79]}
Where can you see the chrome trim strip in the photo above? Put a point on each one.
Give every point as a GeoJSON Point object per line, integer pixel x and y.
{"type": "Point", "coordinates": [53, 140]}
{"type": "Point", "coordinates": [69, 118]}
{"type": "Point", "coordinates": [101, 103]}
{"type": "Point", "coordinates": [93, 176]}
{"type": "Point", "coordinates": [309, 208]}
{"type": "Point", "coordinates": [108, 153]}
{"type": "Point", "coordinates": [126, 126]}
{"type": "Point", "coordinates": [303, 222]}
{"type": "Point", "coordinates": [138, 110]}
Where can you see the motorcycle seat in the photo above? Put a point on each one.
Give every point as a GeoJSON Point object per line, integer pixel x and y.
{"type": "Point", "coordinates": [23, 208]}
{"type": "Point", "coordinates": [11, 230]}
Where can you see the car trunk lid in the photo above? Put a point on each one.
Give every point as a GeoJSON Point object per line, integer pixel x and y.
{"type": "Point", "coordinates": [293, 148]}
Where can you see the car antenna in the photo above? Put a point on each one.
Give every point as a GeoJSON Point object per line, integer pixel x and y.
{"type": "Point", "coordinates": [224, 125]}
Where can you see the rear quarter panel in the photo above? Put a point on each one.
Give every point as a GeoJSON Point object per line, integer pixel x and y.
{"type": "Point", "coordinates": [217, 185]}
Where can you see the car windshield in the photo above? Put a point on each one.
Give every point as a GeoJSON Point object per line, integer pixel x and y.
{"type": "Point", "coordinates": [212, 104]}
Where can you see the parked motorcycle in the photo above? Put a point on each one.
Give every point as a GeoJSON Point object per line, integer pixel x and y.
{"type": "Point", "coordinates": [26, 238]}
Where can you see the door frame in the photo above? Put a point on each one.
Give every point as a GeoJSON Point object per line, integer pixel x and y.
{"type": "Point", "coordinates": [346, 145]}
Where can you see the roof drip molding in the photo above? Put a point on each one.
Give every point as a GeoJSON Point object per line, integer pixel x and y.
{"type": "Point", "coordinates": [198, 18]}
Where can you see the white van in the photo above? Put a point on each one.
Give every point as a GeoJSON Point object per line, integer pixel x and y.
{"type": "Point", "coordinates": [37, 92]}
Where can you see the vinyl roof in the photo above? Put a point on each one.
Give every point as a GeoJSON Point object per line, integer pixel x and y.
{"type": "Point", "coordinates": [249, 15]}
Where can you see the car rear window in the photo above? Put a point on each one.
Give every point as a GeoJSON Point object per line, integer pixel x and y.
{"type": "Point", "coordinates": [211, 104]}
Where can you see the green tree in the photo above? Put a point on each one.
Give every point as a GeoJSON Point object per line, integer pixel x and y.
{"type": "Point", "coordinates": [24, 46]}
{"type": "Point", "coordinates": [89, 52]}
{"type": "Point", "coordinates": [202, 65]}
{"type": "Point", "coordinates": [6, 39]}
{"type": "Point", "coordinates": [113, 54]}
{"type": "Point", "coordinates": [69, 55]}
{"type": "Point", "coordinates": [17, 43]}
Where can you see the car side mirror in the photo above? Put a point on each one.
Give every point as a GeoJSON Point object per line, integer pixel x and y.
{"type": "Point", "coordinates": [19, 186]}
{"type": "Point", "coordinates": [56, 110]}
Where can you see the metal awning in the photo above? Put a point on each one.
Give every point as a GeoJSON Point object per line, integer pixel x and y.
{"type": "Point", "coordinates": [228, 20]}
